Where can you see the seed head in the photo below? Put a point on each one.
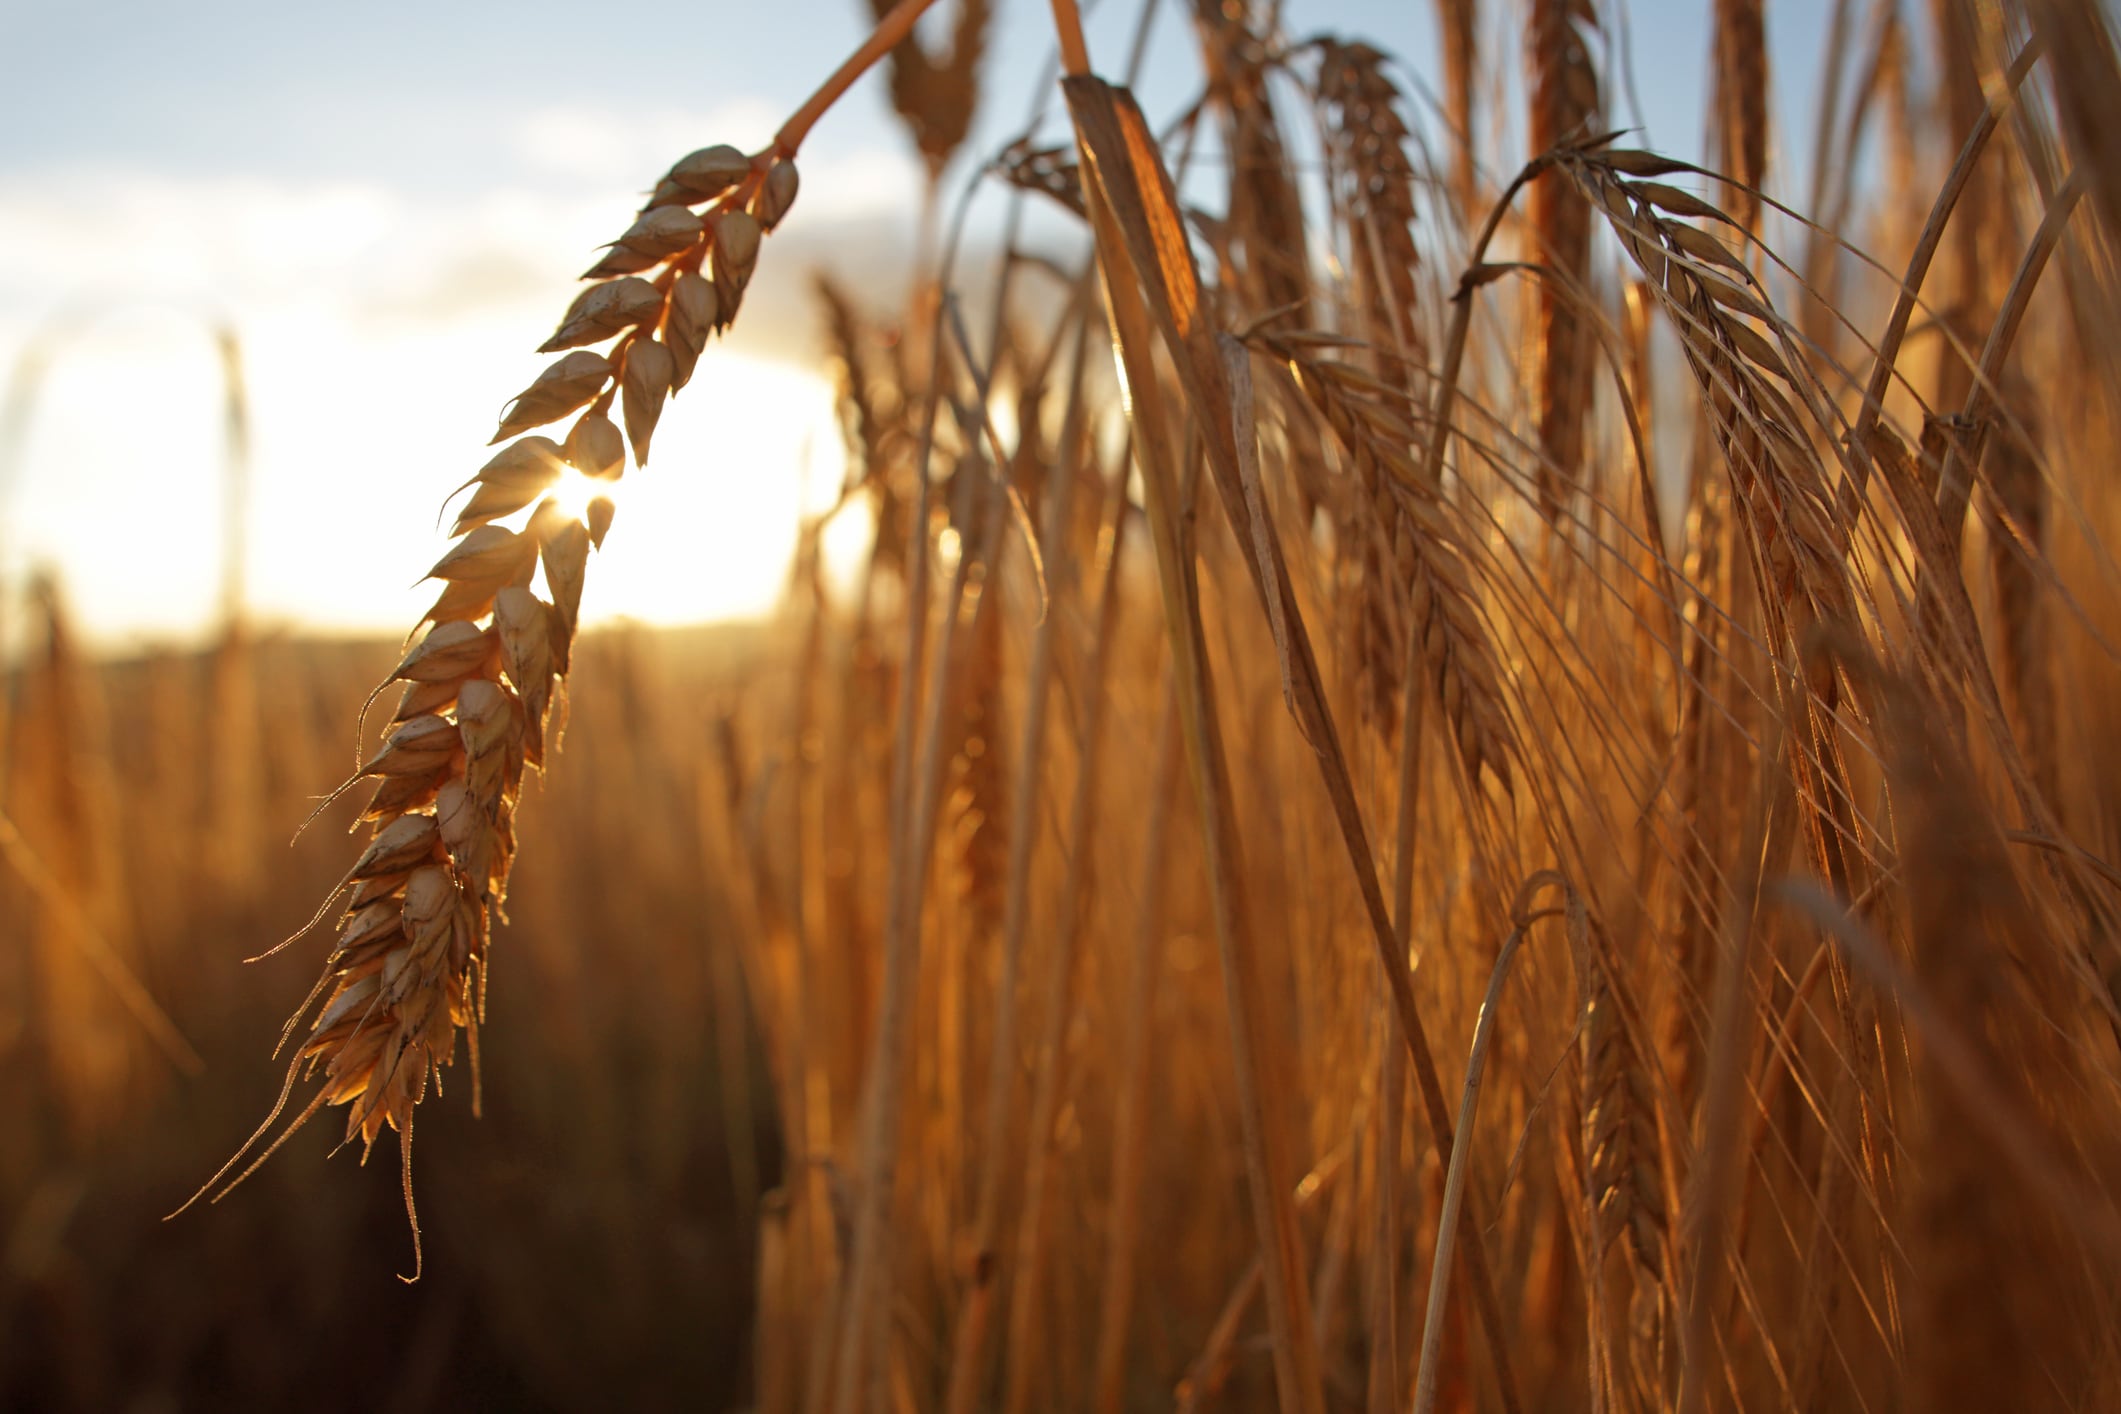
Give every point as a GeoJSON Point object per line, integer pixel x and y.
{"type": "Point", "coordinates": [604, 310]}
{"type": "Point", "coordinates": [775, 194]}
{"type": "Point", "coordinates": [517, 475]}
{"type": "Point", "coordinates": [736, 254]}
{"type": "Point", "coordinates": [568, 384]}
{"type": "Point", "coordinates": [661, 232]}
{"type": "Point", "coordinates": [446, 654]}
{"type": "Point", "coordinates": [650, 371]}
{"type": "Point", "coordinates": [702, 176]}
{"type": "Point", "coordinates": [594, 447]}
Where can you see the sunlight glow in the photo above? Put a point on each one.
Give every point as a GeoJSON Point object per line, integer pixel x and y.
{"type": "Point", "coordinates": [708, 529]}
{"type": "Point", "coordinates": [573, 492]}
{"type": "Point", "coordinates": [706, 532]}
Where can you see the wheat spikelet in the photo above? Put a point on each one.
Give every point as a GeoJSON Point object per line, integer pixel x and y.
{"type": "Point", "coordinates": [1369, 140]}
{"type": "Point", "coordinates": [408, 970]}
{"type": "Point", "coordinates": [1416, 573]}
{"type": "Point", "coordinates": [1372, 539]}
{"type": "Point", "coordinates": [1698, 760]}
{"type": "Point", "coordinates": [1565, 105]}
{"type": "Point", "coordinates": [1620, 1140]}
{"type": "Point", "coordinates": [1787, 506]}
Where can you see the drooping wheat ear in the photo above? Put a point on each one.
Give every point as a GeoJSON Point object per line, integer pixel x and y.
{"type": "Point", "coordinates": [1733, 339]}
{"type": "Point", "coordinates": [1369, 144]}
{"type": "Point", "coordinates": [1743, 357]}
{"type": "Point", "coordinates": [1375, 195]}
{"type": "Point", "coordinates": [1565, 107]}
{"type": "Point", "coordinates": [408, 970]}
{"type": "Point", "coordinates": [1415, 563]}
{"type": "Point", "coordinates": [936, 97]}
{"type": "Point", "coordinates": [1741, 103]}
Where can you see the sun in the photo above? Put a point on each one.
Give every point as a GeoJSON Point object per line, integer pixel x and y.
{"type": "Point", "coordinates": [573, 492]}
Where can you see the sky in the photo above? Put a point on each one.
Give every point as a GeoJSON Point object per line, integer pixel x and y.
{"type": "Point", "coordinates": [388, 203]}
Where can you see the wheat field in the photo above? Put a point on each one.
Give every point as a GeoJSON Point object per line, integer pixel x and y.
{"type": "Point", "coordinates": [1469, 768]}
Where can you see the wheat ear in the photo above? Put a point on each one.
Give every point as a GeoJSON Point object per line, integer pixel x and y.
{"type": "Point", "coordinates": [408, 970]}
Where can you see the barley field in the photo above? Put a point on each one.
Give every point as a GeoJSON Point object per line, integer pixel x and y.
{"type": "Point", "coordinates": [1460, 765]}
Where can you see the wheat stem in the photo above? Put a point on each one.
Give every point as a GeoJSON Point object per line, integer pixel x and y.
{"type": "Point", "coordinates": [968, 1359]}
{"type": "Point", "coordinates": [889, 31]}
{"type": "Point", "coordinates": [1060, 983]}
{"type": "Point", "coordinates": [1430, 1366]}
{"type": "Point", "coordinates": [1918, 264]}
{"type": "Point", "coordinates": [1296, 1369]}
{"type": "Point", "coordinates": [1955, 478]}
{"type": "Point", "coordinates": [1136, 1068]}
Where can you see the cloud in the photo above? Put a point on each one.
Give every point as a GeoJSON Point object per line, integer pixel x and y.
{"type": "Point", "coordinates": [235, 243]}
{"type": "Point", "coordinates": [596, 144]}
{"type": "Point", "coordinates": [613, 149]}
